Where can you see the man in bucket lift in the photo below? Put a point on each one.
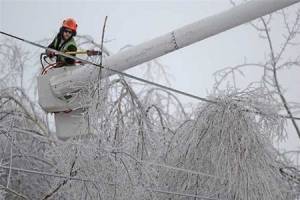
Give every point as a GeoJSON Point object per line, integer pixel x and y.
{"type": "Point", "coordinates": [65, 42]}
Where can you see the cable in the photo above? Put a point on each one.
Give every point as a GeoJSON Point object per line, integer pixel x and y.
{"type": "Point", "coordinates": [93, 181]}
{"type": "Point", "coordinates": [161, 86]}
{"type": "Point", "coordinates": [51, 174]}
{"type": "Point", "coordinates": [165, 166]}
{"type": "Point", "coordinates": [141, 161]}
{"type": "Point", "coordinates": [125, 74]}
{"type": "Point", "coordinates": [179, 169]}
{"type": "Point", "coordinates": [184, 194]}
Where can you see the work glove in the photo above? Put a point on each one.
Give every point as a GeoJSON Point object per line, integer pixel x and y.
{"type": "Point", "coordinates": [50, 54]}
{"type": "Point", "coordinates": [93, 53]}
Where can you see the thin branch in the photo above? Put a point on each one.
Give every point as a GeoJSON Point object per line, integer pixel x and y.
{"type": "Point", "coordinates": [274, 64]}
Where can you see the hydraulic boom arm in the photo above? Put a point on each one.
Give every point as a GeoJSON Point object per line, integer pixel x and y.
{"type": "Point", "coordinates": [57, 88]}
{"type": "Point", "coordinates": [169, 42]}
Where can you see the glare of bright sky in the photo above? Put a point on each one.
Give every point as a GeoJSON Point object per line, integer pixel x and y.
{"type": "Point", "coordinates": [133, 22]}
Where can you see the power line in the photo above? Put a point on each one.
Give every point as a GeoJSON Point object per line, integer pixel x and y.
{"type": "Point", "coordinates": [51, 174]}
{"type": "Point", "coordinates": [184, 194]}
{"type": "Point", "coordinates": [168, 166]}
{"type": "Point", "coordinates": [93, 181]}
{"type": "Point", "coordinates": [180, 169]}
{"type": "Point", "coordinates": [128, 75]}
{"type": "Point", "coordinates": [140, 161]}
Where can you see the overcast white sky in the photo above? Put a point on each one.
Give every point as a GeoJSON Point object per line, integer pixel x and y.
{"type": "Point", "coordinates": [133, 22]}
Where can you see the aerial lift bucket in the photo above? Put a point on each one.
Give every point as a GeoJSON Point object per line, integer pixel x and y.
{"type": "Point", "coordinates": [68, 112]}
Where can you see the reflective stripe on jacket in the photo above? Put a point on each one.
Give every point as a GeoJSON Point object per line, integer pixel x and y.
{"type": "Point", "coordinates": [69, 45]}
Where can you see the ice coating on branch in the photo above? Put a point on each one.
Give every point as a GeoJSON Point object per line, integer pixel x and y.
{"type": "Point", "coordinates": [227, 144]}
{"type": "Point", "coordinates": [226, 141]}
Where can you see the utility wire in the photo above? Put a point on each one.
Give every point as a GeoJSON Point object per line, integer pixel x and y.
{"type": "Point", "coordinates": [184, 194]}
{"type": "Point", "coordinates": [125, 74]}
{"type": "Point", "coordinates": [179, 169]}
{"type": "Point", "coordinates": [141, 161]}
{"type": "Point", "coordinates": [93, 181]}
{"type": "Point", "coordinates": [168, 166]}
{"type": "Point", "coordinates": [51, 174]}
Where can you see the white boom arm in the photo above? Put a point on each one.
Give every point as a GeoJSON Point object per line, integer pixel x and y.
{"type": "Point", "coordinates": [172, 41]}
{"type": "Point", "coordinates": [60, 82]}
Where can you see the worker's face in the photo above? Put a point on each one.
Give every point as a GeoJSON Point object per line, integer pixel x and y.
{"type": "Point", "coordinates": [67, 34]}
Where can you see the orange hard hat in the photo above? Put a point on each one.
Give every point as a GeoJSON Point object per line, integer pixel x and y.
{"type": "Point", "coordinates": [70, 23]}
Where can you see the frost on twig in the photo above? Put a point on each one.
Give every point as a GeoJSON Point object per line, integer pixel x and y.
{"type": "Point", "coordinates": [141, 143]}
{"type": "Point", "coordinates": [281, 46]}
{"type": "Point", "coordinates": [126, 123]}
{"type": "Point", "coordinates": [23, 128]}
{"type": "Point", "coordinates": [233, 149]}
